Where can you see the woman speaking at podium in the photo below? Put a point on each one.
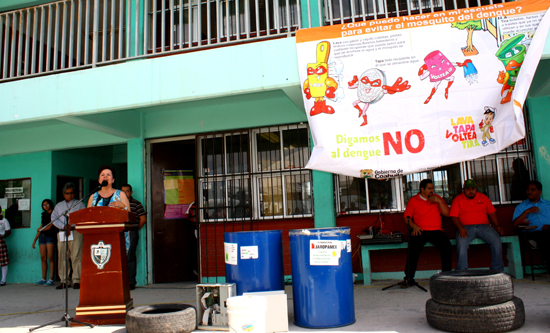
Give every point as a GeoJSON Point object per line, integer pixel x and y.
{"type": "Point", "coordinates": [107, 195]}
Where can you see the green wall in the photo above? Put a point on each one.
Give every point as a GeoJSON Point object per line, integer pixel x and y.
{"type": "Point", "coordinates": [539, 118]}
{"type": "Point", "coordinates": [25, 264]}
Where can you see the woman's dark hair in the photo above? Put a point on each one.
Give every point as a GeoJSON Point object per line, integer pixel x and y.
{"type": "Point", "coordinates": [49, 202]}
{"type": "Point", "coordinates": [106, 167]}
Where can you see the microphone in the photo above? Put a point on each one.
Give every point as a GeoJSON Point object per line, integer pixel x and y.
{"type": "Point", "coordinates": [103, 184]}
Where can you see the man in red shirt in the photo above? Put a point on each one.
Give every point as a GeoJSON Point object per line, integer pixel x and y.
{"type": "Point", "coordinates": [469, 212]}
{"type": "Point", "coordinates": [424, 212]}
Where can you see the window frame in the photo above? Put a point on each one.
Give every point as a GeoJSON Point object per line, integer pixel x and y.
{"type": "Point", "coordinates": [255, 174]}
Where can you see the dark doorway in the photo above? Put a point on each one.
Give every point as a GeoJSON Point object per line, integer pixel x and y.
{"type": "Point", "coordinates": [62, 180]}
{"type": "Point", "coordinates": [174, 243]}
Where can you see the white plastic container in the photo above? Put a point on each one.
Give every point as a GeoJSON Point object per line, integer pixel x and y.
{"type": "Point", "coordinates": [246, 314]}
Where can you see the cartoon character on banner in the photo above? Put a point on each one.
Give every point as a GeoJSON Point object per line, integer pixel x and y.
{"type": "Point", "coordinates": [372, 87]}
{"type": "Point", "coordinates": [318, 83]}
{"type": "Point", "coordinates": [511, 53]}
{"type": "Point", "coordinates": [486, 127]}
{"type": "Point", "coordinates": [439, 68]}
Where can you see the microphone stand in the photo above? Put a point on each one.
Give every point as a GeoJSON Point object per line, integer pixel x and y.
{"type": "Point", "coordinates": [407, 283]}
{"type": "Point", "coordinates": [66, 317]}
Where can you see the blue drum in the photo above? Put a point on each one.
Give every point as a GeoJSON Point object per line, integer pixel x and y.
{"type": "Point", "coordinates": [254, 260]}
{"type": "Point", "coordinates": [322, 277]}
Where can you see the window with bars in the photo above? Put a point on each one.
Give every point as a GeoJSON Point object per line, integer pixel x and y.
{"type": "Point", "coordinates": [255, 174]}
{"type": "Point", "coordinates": [503, 177]}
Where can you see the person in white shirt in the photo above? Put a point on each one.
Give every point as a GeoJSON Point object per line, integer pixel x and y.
{"type": "Point", "coordinates": [75, 238]}
{"type": "Point", "coordinates": [5, 231]}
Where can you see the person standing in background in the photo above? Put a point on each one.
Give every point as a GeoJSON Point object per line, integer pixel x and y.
{"type": "Point", "coordinates": [5, 231]}
{"type": "Point", "coordinates": [132, 236]}
{"type": "Point", "coordinates": [47, 239]}
{"type": "Point", "coordinates": [73, 243]}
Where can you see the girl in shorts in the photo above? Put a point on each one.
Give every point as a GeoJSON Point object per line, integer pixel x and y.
{"type": "Point", "coordinates": [47, 239]}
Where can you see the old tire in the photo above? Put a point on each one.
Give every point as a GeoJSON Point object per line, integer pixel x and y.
{"type": "Point", "coordinates": [162, 318]}
{"type": "Point", "coordinates": [471, 287]}
{"type": "Point", "coordinates": [483, 318]}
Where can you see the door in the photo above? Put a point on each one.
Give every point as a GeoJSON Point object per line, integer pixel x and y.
{"type": "Point", "coordinates": [174, 242]}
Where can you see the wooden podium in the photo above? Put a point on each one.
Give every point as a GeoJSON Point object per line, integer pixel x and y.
{"type": "Point", "coordinates": [104, 288]}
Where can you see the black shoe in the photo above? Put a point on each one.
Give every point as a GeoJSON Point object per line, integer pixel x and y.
{"type": "Point", "coordinates": [76, 285]}
{"type": "Point", "coordinates": [132, 286]}
{"type": "Point", "coordinates": [2, 284]}
{"type": "Point", "coordinates": [61, 286]}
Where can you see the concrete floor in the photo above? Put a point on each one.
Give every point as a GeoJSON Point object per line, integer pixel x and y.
{"type": "Point", "coordinates": [23, 306]}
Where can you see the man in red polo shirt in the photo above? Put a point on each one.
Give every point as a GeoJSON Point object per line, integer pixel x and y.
{"type": "Point", "coordinates": [469, 212]}
{"type": "Point", "coordinates": [424, 212]}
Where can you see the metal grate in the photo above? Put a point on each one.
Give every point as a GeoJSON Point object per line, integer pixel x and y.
{"type": "Point", "coordinates": [254, 174]}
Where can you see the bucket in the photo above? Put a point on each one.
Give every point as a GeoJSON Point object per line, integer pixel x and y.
{"type": "Point", "coordinates": [246, 314]}
{"type": "Point", "coordinates": [254, 260]}
{"type": "Point", "coordinates": [322, 277]}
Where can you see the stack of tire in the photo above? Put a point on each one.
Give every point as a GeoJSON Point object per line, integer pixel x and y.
{"type": "Point", "coordinates": [474, 301]}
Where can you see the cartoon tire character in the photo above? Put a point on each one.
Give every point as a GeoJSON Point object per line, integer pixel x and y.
{"type": "Point", "coordinates": [439, 68]}
{"type": "Point", "coordinates": [486, 127]}
{"type": "Point", "coordinates": [511, 53]}
{"type": "Point", "coordinates": [318, 84]}
{"type": "Point", "coordinates": [371, 88]}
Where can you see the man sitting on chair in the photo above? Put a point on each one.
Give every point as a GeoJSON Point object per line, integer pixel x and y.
{"type": "Point", "coordinates": [469, 212]}
{"type": "Point", "coordinates": [534, 215]}
{"type": "Point", "coordinates": [424, 212]}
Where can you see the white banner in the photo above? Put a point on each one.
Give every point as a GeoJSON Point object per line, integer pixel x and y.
{"type": "Point", "coordinates": [400, 95]}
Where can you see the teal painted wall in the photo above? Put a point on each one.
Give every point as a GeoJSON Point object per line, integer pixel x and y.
{"type": "Point", "coordinates": [217, 114]}
{"type": "Point", "coordinates": [82, 163]}
{"type": "Point", "coordinates": [539, 118]}
{"type": "Point", "coordinates": [136, 178]}
{"type": "Point", "coordinates": [247, 68]}
{"type": "Point", "coordinates": [6, 5]}
{"type": "Point", "coordinates": [25, 264]}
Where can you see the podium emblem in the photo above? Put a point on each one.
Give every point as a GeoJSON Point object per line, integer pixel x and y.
{"type": "Point", "coordinates": [101, 254]}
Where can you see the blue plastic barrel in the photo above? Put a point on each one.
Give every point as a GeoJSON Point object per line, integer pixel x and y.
{"type": "Point", "coordinates": [259, 265]}
{"type": "Point", "coordinates": [322, 277]}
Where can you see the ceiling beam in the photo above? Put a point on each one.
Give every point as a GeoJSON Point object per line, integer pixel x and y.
{"type": "Point", "coordinates": [97, 127]}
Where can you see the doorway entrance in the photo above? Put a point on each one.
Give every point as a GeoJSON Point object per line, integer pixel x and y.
{"type": "Point", "coordinates": [174, 242]}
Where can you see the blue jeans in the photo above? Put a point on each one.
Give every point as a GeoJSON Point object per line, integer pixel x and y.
{"type": "Point", "coordinates": [487, 234]}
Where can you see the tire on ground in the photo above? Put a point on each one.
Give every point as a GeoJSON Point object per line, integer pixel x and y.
{"type": "Point", "coordinates": [484, 318]}
{"type": "Point", "coordinates": [471, 287]}
{"type": "Point", "coordinates": [161, 318]}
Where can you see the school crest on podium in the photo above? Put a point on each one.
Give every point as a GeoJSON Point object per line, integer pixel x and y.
{"type": "Point", "coordinates": [101, 254]}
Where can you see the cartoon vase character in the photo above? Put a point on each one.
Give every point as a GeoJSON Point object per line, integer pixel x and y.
{"type": "Point", "coordinates": [371, 88]}
{"type": "Point", "coordinates": [318, 84]}
{"type": "Point", "coordinates": [439, 68]}
{"type": "Point", "coordinates": [511, 53]}
{"type": "Point", "coordinates": [486, 126]}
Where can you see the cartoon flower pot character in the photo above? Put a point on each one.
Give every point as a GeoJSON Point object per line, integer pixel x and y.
{"type": "Point", "coordinates": [511, 53]}
{"type": "Point", "coordinates": [439, 68]}
{"type": "Point", "coordinates": [371, 88]}
{"type": "Point", "coordinates": [318, 84]}
{"type": "Point", "coordinates": [486, 127]}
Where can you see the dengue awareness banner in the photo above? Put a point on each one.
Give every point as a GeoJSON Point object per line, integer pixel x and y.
{"type": "Point", "coordinates": [394, 96]}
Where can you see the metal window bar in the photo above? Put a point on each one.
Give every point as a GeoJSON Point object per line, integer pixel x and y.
{"type": "Point", "coordinates": [58, 36]}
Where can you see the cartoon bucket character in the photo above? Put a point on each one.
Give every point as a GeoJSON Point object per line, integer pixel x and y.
{"type": "Point", "coordinates": [318, 83]}
{"type": "Point", "coordinates": [372, 87]}
{"type": "Point", "coordinates": [511, 53]}
{"type": "Point", "coordinates": [486, 127]}
{"type": "Point", "coordinates": [439, 68]}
